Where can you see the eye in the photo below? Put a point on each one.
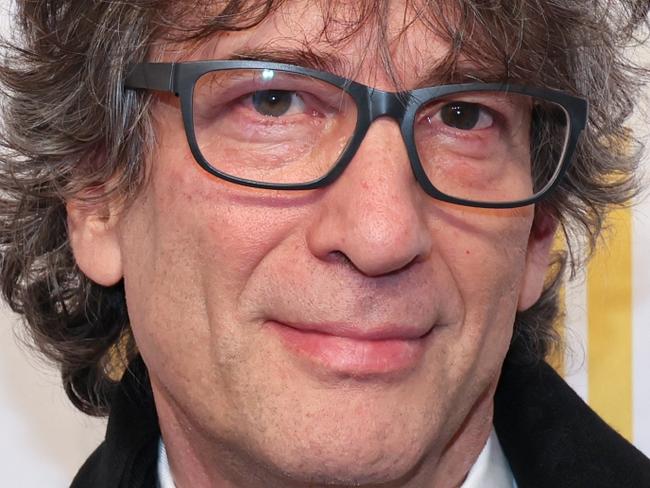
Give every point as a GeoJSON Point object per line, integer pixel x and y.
{"type": "Point", "coordinates": [276, 103]}
{"type": "Point", "coordinates": [465, 116]}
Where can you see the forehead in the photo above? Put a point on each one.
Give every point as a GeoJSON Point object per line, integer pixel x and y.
{"type": "Point", "coordinates": [396, 43]}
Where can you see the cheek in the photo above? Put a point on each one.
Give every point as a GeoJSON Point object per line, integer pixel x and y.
{"type": "Point", "coordinates": [486, 256]}
{"type": "Point", "coordinates": [223, 229]}
{"type": "Point", "coordinates": [496, 277]}
{"type": "Point", "coordinates": [191, 244]}
{"type": "Point", "coordinates": [486, 251]}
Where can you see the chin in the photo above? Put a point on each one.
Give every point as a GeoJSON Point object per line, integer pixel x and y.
{"type": "Point", "coordinates": [345, 474]}
{"type": "Point", "coordinates": [355, 466]}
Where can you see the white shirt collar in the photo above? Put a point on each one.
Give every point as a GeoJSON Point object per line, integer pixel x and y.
{"type": "Point", "coordinates": [165, 479]}
{"type": "Point", "coordinates": [490, 469]}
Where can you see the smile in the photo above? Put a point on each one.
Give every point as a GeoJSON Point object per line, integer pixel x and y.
{"type": "Point", "coordinates": [385, 352]}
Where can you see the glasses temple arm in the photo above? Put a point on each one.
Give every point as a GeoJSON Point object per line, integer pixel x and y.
{"type": "Point", "coordinates": [151, 76]}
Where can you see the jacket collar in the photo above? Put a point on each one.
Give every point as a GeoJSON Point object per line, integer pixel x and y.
{"type": "Point", "coordinates": [550, 437]}
{"type": "Point", "coordinates": [553, 439]}
{"type": "Point", "coordinates": [127, 458]}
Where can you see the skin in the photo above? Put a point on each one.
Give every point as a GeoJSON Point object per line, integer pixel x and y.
{"type": "Point", "coordinates": [206, 264]}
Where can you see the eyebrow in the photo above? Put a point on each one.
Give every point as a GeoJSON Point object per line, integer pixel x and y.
{"type": "Point", "coordinates": [450, 70]}
{"type": "Point", "coordinates": [440, 72]}
{"type": "Point", "coordinates": [304, 56]}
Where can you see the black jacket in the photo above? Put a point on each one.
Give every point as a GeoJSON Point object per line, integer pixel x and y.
{"type": "Point", "coordinates": [551, 438]}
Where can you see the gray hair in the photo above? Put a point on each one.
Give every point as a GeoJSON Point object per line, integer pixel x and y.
{"type": "Point", "coordinates": [71, 131]}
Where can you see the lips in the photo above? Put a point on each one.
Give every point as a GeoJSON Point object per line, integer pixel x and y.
{"type": "Point", "coordinates": [354, 351]}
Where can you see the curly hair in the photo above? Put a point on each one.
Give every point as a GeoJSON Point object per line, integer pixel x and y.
{"type": "Point", "coordinates": [69, 127]}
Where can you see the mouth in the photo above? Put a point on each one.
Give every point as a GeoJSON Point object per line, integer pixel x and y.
{"type": "Point", "coordinates": [344, 350]}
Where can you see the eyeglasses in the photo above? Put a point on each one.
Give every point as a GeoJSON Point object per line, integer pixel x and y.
{"type": "Point", "coordinates": [279, 126]}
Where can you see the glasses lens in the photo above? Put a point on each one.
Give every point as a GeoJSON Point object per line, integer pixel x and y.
{"type": "Point", "coordinates": [491, 146]}
{"type": "Point", "coordinates": [271, 126]}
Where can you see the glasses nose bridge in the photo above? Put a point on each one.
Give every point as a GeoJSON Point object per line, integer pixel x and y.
{"type": "Point", "coordinates": [386, 104]}
{"type": "Point", "coordinates": [393, 105]}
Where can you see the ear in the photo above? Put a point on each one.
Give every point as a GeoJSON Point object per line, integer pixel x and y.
{"type": "Point", "coordinates": [93, 233]}
{"type": "Point", "coordinates": [537, 258]}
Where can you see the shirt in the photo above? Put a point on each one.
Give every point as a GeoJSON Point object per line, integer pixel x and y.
{"type": "Point", "coordinates": [491, 468]}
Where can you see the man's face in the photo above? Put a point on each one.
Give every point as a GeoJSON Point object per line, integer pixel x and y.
{"type": "Point", "coordinates": [340, 334]}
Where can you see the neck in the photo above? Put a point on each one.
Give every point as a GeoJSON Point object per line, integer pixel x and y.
{"type": "Point", "coordinates": [201, 462]}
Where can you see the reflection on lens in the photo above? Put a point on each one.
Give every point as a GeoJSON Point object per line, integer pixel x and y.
{"type": "Point", "coordinates": [271, 126]}
{"type": "Point", "coordinates": [490, 146]}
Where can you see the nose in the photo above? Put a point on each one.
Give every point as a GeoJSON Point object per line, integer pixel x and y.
{"type": "Point", "coordinates": [374, 213]}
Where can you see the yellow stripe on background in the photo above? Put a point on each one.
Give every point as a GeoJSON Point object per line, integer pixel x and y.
{"type": "Point", "coordinates": [609, 309]}
{"type": "Point", "coordinates": [556, 355]}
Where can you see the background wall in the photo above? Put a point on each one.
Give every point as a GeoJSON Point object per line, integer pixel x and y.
{"type": "Point", "coordinates": [43, 440]}
{"type": "Point", "coordinates": [607, 323]}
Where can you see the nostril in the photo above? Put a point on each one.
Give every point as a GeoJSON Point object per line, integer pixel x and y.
{"type": "Point", "coordinates": [341, 259]}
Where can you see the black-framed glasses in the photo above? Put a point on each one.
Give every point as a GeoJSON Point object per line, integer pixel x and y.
{"type": "Point", "coordinates": [279, 126]}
